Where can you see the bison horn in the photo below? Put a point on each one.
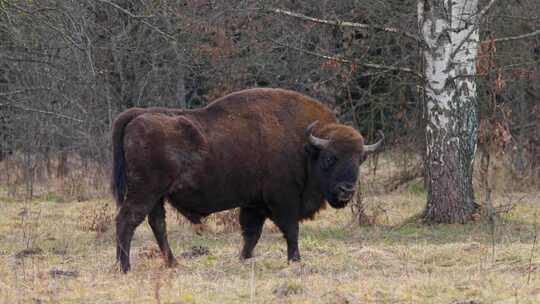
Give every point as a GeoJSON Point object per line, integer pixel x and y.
{"type": "Point", "coordinates": [317, 142]}
{"type": "Point", "coordinates": [375, 146]}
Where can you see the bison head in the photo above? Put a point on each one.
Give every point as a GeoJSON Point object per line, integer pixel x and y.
{"type": "Point", "coordinates": [336, 155]}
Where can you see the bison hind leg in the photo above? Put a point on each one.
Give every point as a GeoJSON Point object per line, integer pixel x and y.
{"type": "Point", "coordinates": [156, 220]}
{"type": "Point", "coordinates": [129, 216]}
{"type": "Point", "coordinates": [251, 221]}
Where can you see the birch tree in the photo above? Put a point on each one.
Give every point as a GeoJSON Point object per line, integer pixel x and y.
{"type": "Point", "coordinates": [450, 31]}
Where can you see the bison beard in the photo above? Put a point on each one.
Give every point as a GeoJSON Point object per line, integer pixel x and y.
{"type": "Point", "coordinates": [257, 149]}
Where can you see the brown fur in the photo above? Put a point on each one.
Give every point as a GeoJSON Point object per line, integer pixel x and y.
{"type": "Point", "coordinates": [246, 150]}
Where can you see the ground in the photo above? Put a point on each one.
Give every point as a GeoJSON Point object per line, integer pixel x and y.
{"type": "Point", "coordinates": [63, 252]}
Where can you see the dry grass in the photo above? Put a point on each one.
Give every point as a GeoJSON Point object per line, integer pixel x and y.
{"type": "Point", "coordinates": [57, 249]}
{"type": "Point", "coordinates": [84, 180]}
{"type": "Point", "coordinates": [54, 252]}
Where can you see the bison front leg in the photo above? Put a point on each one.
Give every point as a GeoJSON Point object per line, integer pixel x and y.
{"type": "Point", "coordinates": [290, 232]}
{"type": "Point", "coordinates": [251, 221]}
{"type": "Point", "coordinates": [156, 219]}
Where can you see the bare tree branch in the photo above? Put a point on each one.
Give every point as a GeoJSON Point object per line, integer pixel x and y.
{"type": "Point", "coordinates": [345, 23]}
{"type": "Point", "coordinates": [41, 111]}
{"type": "Point", "coordinates": [511, 38]}
{"type": "Point", "coordinates": [484, 11]}
{"type": "Point", "coordinates": [24, 91]}
{"type": "Point", "coordinates": [43, 11]}
{"type": "Point", "coordinates": [342, 60]}
{"type": "Point", "coordinates": [479, 18]}
{"type": "Point", "coordinates": [125, 11]}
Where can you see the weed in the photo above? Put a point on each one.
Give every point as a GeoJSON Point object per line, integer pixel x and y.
{"type": "Point", "coordinates": [288, 288]}
{"type": "Point", "coordinates": [52, 252]}
{"type": "Point", "coordinates": [196, 251]}
{"type": "Point", "coordinates": [97, 217]}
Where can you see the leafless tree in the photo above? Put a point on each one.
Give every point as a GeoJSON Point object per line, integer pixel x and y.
{"type": "Point", "coordinates": [68, 67]}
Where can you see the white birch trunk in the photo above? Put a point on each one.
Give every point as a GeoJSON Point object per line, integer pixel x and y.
{"type": "Point", "coordinates": [450, 31]}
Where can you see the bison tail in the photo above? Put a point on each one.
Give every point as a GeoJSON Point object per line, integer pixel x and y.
{"type": "Point", "coordinates": [118, 178]}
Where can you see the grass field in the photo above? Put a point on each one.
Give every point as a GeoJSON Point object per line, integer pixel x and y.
{"type": "Point", "coordinates": [63, 252]}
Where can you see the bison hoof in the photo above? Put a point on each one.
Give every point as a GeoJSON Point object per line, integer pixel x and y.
{"type": "Point", "coordinates": [294, 259]}
{"type": "Point", "coordinates": [123, 268]}
{"type": "Point", "coordinates": [114, 268]}
{"type": "Point", "coordinates": [175, 266]}
{"type": "Point", "coordinates": [171, 263]}
{"type": "Point", "coordinates": [245, 257]}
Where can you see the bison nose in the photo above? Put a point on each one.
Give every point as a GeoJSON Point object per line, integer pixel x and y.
{"type": "Point", "coordinates": [347, 187]}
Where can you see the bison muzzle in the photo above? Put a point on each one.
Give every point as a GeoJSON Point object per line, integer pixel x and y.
{"type": "Point", "coordinates": [276, 154]}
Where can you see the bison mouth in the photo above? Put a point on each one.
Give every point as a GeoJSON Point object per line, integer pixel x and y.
{"type": "Point", "coordinates": [338, 204]}
{"type": "Point", "coordinates": [339, 201]}
{"type": "Point", "coordinates": [344, 196]}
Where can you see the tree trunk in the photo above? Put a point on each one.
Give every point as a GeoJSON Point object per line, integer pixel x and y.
{"type": "Point", "coordinates": [63, 167]}
{"type": "Point", "coordinates": [450, 32]}
{"type": "Point", "coordinates": [179, 79]}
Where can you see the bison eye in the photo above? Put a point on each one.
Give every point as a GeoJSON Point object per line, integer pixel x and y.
{"type": "Point", "coordinates": [329, 162]}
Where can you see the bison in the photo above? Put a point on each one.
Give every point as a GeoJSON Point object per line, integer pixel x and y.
{"type": "Point", "coordinates": [274, 153]}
